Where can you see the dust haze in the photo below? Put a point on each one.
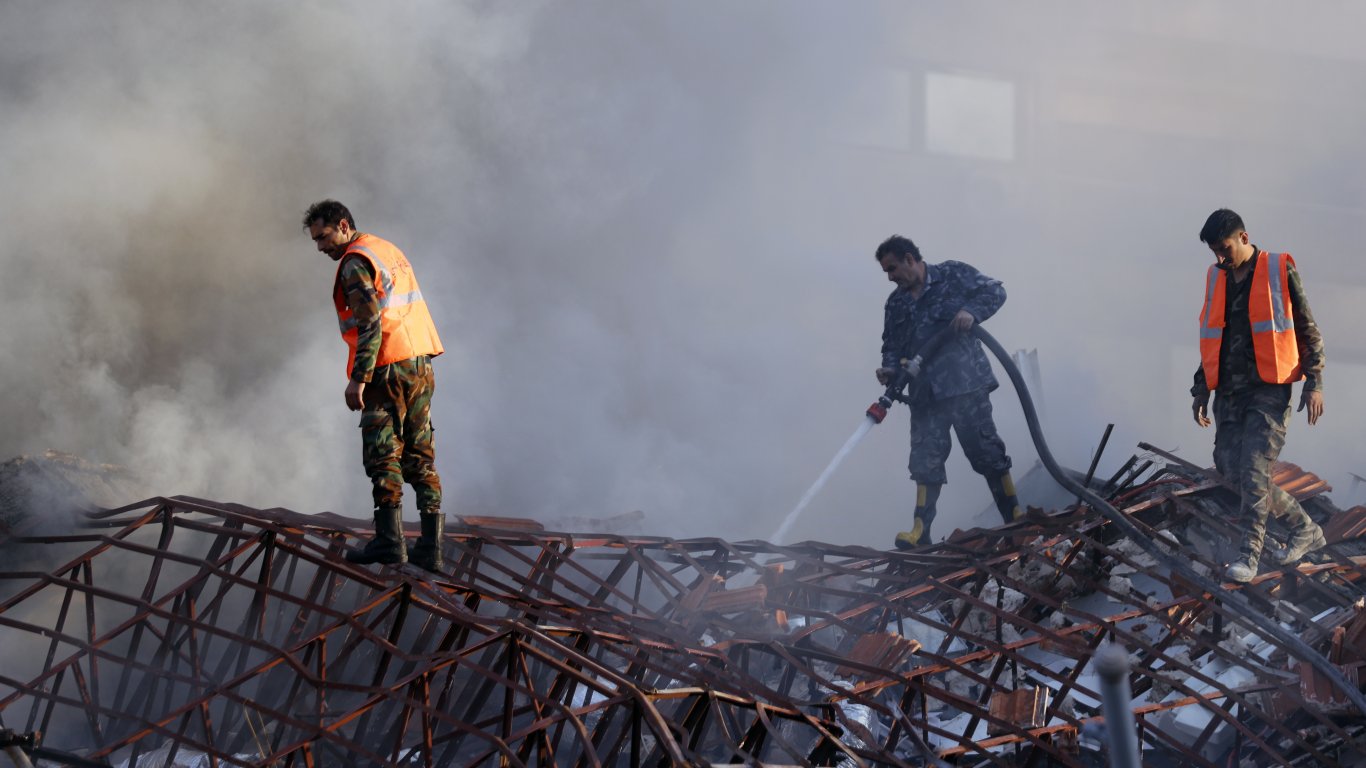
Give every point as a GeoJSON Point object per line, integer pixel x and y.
{"type": "Point", "coordinates": [645, 232]}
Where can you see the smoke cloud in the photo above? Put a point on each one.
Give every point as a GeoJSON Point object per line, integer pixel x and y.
{"type": "Point", "coordinates": [646, 234]}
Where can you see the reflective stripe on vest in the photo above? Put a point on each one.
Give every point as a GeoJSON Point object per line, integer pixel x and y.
{"type": "Point", "coordinates": [386, 279]}
{"type": "Point", "coordinates": [1212, 317]}
{"type": "Point", "coordinates": [1280, 319]}
{"type": "Point", "coordinates": [385, 302]}
{"type": "Point", "coordinates": [1273, 326]}
{"type": "Point", "coordinates": [406, 325]}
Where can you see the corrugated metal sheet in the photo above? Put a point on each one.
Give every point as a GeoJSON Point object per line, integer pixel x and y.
{"type": "Point", "coordinates": [1297, 482]}
{"type": "Point", "coordinates": [880, 650]}
{"type": "Point", "coordinates": [1025, 708]}
{"type": "Point", "coordinates": [1345, 525]}
{"type": "Point", "coordinates": [1318, 691]}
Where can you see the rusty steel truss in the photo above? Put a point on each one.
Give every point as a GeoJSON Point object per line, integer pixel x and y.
{"type": "Point", "coordinates": [178, 626]}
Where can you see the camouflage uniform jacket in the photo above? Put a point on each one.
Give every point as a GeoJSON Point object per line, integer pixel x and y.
{"type": "Point", "coordinates": [1237, 358]}
{"type": "Point", "coordinates": [358, 286]}
{"type": "Point", "coordinates": [961, 365]}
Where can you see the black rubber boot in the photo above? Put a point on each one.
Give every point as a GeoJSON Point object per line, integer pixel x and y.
{"type": "Point", "coordinates": [427, 550]}
{"type": "Point", "coordinates": [387, 546]}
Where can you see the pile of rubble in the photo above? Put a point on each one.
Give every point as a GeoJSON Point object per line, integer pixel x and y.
{"type": "Point", "coordinates": [179, 630]}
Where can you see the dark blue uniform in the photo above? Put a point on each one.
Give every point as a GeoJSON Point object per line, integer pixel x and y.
{"type": "Point", "coordinates": [952, 388]}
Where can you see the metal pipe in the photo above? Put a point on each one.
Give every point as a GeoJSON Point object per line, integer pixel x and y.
{"type": "Point", "coordinates": [1113, 665]}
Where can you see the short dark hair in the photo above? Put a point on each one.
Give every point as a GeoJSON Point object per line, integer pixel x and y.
{"type": "Point", "coordinates": [1221, 225]}
{"type": "Point", "coordinates": [327, 212]}
{"type": "Point", "coordinates": [898, 246]}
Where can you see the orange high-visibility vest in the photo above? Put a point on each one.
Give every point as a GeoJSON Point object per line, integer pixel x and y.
{"type": "Point", "coordinates": [1273, 324]}
{"type": "Point", "coordinates": [406, 328]}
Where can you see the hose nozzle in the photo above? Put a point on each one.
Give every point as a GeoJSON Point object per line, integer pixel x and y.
{"type": "Point", "coordinates": [896, 385]}
{"type": "Point", "coordinates": [898, 378]}
{"type": "Point", "coordinates": [878, 411]}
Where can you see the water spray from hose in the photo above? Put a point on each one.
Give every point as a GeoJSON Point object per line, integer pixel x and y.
{"type": "Point", "coordinates": [864, 427]}
{"type": "Point", "coordinates": [897, 382]}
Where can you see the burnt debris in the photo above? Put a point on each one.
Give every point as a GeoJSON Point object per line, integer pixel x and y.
{"type": "Point", "coordinates": [180, 629]}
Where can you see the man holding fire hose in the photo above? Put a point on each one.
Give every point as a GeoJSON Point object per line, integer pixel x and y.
{"type": "Point", "coordinates": [953, 388]}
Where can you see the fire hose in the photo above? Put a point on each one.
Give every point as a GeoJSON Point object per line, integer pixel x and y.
{"type": "Point", "coordinates": [1242, 611]}
{"type": "Point", "coordinates": [20, 747]}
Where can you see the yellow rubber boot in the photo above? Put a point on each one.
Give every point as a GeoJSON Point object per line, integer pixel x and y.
{"type": "Point", "coordinates": [911, 539]}
{"type": "Point", "coordinates": [925, 498]}
{"type": "Point", "coordinates": [1003, 493]}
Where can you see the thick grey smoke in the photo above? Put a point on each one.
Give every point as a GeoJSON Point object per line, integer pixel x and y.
{"type": "Point", "coordinates": [646, 233]}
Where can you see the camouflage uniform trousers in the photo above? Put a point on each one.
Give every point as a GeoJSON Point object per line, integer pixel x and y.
{"type": "Point", "coordinates": [1249, 434]}
{"type": "Point", "coordinates": [397, 436]}
{"type": "Point", "coordinates": [970, 417]}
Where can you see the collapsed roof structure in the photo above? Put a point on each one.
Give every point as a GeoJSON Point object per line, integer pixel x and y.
{"type": "Point", "coordinates": [180, 631]}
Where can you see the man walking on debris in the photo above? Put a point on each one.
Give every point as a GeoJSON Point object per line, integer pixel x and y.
{"type": "Point", "coordinates": [1257, 337]}
{"type": "Point", "coordinates": [953, 387]}
{"type": "Point", "coordinates": [386, 325]}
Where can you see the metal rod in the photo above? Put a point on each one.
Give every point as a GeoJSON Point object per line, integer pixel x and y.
{"type": "Point", "coordinates": [1113, 665]}
{"type": "Point", "coordinates": [1095, 458]}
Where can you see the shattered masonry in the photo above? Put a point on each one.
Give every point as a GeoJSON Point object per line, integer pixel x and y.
{"type": "Point", "coordinates": [240, 636]}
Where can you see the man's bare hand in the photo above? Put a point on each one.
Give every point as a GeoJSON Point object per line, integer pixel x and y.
{"type": "Point", "coordinates": [355, 391]}
{"type": "Point", "coordinates": [1200, 409]}
{"type": "Point", "coordinates": [884, 376]}
{"type": "Point", "coordinates": [963, 321]}
{"type": "Point", "coordinates": [1313, 399]}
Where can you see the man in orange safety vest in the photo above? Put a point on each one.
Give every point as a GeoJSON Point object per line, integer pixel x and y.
{"type": "Point", "coordinates": [1257, 337]}
{"type": "Point", "coordinates": [391, 341]}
